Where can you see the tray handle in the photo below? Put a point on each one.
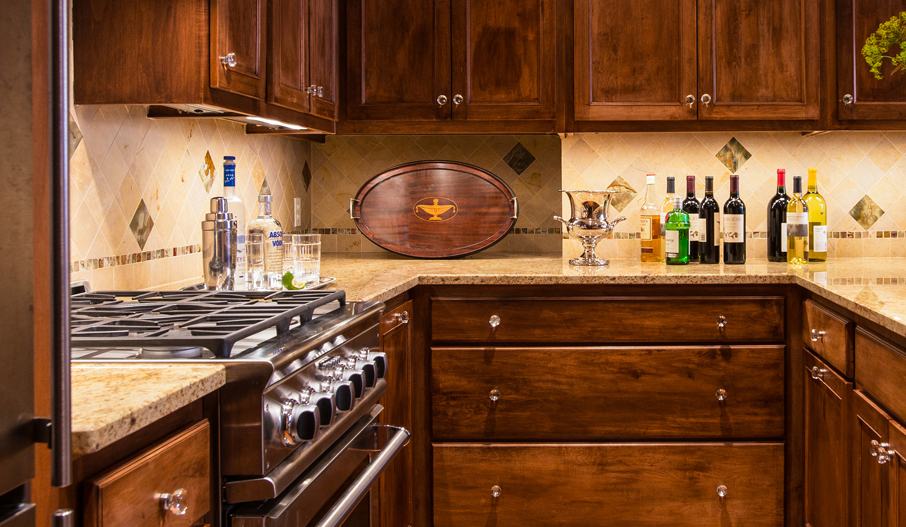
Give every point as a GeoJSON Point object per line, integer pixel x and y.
{"type": "Point", "coordinates": [352, 202]}
{"type": "Point", "coordinates": [515, 203]}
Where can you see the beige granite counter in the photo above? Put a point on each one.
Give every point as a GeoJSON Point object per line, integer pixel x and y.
{"type": "Point", "coordinates": [111, 401]}
{"type": "Point", "coordinates": [871, 287]}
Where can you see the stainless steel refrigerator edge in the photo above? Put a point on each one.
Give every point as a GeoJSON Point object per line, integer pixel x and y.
{"type": "Point", "coordinates": [18, 426]}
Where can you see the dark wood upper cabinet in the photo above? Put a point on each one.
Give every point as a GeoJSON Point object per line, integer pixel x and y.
{"type": "Point", "coordinates": [871, 482]}
{"type": "Point", "coordinates": [827, 448]}
{"type": "Point", "coordinates": [323, 57]}
{"type": "Point", "coordinates": [288, 75]}
{"type": "Point", "coordinates": [635, 60]}
{"type": "Point", "coordinates": [504, 59]}
{"type": "Point", "coordinates": [859, 94]}
{"type": "Point", "coordinates": [238, 37]}
{"type": "Point", "coordinates": [758, 59]}
{"type": "Point", "coordinates": [398, 60]}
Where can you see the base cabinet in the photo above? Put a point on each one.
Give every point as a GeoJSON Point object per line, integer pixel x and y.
{"type": "Point", "coordinates": [694, 485]}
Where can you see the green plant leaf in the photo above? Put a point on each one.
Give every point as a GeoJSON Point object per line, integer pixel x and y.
{"type": "Point", "coordinates": [878, 45]}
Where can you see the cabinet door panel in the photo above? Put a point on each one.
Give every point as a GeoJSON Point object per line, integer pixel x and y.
{"type": "Point", "coordinates": [504, 59]}
{"type": "Point", "coordinates": [873, 98]}
{"type": "Point", "coordinates": [288, 72]}
{"type": "Point", "coordinates": [759, 59]}
{"type": "Point", "coordinates": [827, 448]}
{"type": "Point", "coordinates": [238, 27]}
{"type": "Point", "coordinates": [323, 57]}
{"type": "Point", "coordinates": [870, 483]}
{"type": "Point", "coordinates": [398, 59]}
{"type": "Point", "coordinates": [898, 474]}
{"type": "Point", "coordinates": [635, 60]}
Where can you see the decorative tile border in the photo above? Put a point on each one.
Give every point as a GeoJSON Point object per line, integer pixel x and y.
{"type": "Point", "coordinates": [520, 230]}
{"type": "Point", "coordinates": [126, 259]}
{"type": "Point", "coordinates": [762, 235]}
{"type": "Point", "coordinates": [869, 281]}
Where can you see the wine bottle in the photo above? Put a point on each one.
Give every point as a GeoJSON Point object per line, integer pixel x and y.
{"type": "Point", "coordinates": [709, 234]}
{"type": "Point", "coordinates": [650, 226]}
{"type": "Point", "coordinates": [677, 239]}
{"type": "Point", "coordinates": [817, 219]}
{"type": "Point", "coordinates": [734, 224]}
{"type": "Point", "coordinates": [797, 226]}
{"type": "Point", "coordinates": [667, 208]}
{"type": "Point", "coordinates": [692, 208]}
{"type": "Point", "coordinates": [777, 236]}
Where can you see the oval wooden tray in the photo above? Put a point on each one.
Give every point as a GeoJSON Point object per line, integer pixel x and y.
{"type": "Point", "coordinates": [435, 209]}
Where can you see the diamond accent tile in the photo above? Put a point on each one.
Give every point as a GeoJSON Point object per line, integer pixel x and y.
{"type": "Point", "coordinates": [141, 224]}
{"type": "Point", "coordinates": [206, 172]}
{"type": "Point", "coordinates": [306, 175]}
{"type": "Point", "coordinates": [866, 212]}
{"type": "Point", "coordinates": [625, 195]}
{"type": "Point", "coordinates": [265, 189]}
{"type": "Point", "coordinates": [519, 158]}
{"type": "Point", "coordinates": [733, 155]}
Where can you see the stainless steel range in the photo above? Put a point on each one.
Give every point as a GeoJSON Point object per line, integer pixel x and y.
{"type": "Point", "coordinates": [298, 433]}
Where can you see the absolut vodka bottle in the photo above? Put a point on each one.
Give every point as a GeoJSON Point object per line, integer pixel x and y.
{"type": "Point", "coordinates": [267, 225]}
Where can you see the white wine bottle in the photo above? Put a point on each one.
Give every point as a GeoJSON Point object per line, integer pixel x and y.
{"type": "Point", "coordinates": [817, 219]}
{"type": "Point", "coordinates": [797, 226]}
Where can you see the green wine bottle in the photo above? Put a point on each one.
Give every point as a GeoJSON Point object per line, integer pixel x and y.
{"type": "Point", "coordinates": [677, 235]}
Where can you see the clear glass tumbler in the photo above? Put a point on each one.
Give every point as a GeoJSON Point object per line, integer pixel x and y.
{"type": "Point", "coordinates": [254, 257]}
{"type": "Point", "coordinates": [302, 257]}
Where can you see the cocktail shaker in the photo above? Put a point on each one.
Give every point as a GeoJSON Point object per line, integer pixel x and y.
{"type": "Point", "coordinates": [218, 247]}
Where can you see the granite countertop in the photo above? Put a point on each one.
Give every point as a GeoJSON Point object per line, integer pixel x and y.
{"type": "Point", "coordinates": [111, 401]}
{"type": "Point", "coordinates": [874, 288]}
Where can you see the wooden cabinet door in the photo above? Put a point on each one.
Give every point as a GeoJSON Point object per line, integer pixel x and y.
{"type": "Point", "coordinates": [322, 32]}
{"type": "Point", "coordinates": [238, 27]}
{"type": "Point", "coordinates": [898, 474]}
{"type": "Point", "coordinates": [871, 482]}
{"type": "Point", "coordinates": [635, 60]}
{"type": "Point", "coordinates": [398, 60]}
{"type": "Point", "coordinates": [396, 501]}
{"type": "Point", "coordinates": [828, 398]}
{"type": "Point", "coordinates": [871, 98]}
{"type": "Point", "coordinates": [288, 69]}
{"type": "Point", "coordinates": [758, 59]}
{"type": "Point", "coordinates": [504, 59]}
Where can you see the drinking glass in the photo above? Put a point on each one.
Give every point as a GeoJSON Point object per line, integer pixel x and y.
{"type": "Point", "coordinates": [254, 254]}
{"type": "Point", "coordinates": [302, 257]}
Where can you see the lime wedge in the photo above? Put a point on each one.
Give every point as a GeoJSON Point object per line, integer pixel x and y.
{"type": "Point", "coordinates": [290, 283]}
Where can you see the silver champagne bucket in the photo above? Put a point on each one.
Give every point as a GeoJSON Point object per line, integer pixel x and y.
{"type": "Point", "coordinates": [589, 221]}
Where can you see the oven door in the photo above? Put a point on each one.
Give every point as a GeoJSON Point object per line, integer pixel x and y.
{"type": "Point", "coordinates": [328, 493]}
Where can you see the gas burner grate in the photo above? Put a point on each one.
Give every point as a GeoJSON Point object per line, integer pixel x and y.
{"type": "Point", "coordinates": [215, 320]}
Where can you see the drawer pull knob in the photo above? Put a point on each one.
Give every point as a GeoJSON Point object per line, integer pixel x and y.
{"type": "Point", "coordinates": [402, 318]}
{"type": "Point", "coordinates": [722, 491]}
{"type": "Point", "coordinates": [721, 394]}
{"type": "Point", "coordinates": [818, 373]}
{"type": "Point", "coordinates": [881, 451]}
{"type": "Point", "coordinates": [176, 503]}
{"type": "Point", "coordinates": [721, 322]}
{"type": "Point", "coordinates": [495, 491]}
{"type": "Point", "coordinates": [229, 60]}
{"type": "Point", "coordinates": [494, 396]}
{"type": "Point", "coordinates": [817, 335]}
{"type": "Point", "coordinates": [494, 321]}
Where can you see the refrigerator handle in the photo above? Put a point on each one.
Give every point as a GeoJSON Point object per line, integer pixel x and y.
{"type": "Point", "coordinates": [61, 413]}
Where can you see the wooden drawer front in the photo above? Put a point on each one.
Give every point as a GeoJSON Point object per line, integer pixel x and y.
{"type": "Point", "coordinates": [609, 485]}
{"type": "Point", "coordinates": [881, 370]}
{"type": "Point", "coordinates": [830, 336]}
{"type": "Point", "coordinates": [584, 394]}
{"type": "Point", "coordinates": [130, 493]}
{"type": "Point", "coordinates": [609, 320]}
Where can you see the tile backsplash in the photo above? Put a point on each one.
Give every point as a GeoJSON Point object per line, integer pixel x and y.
{"type": "Point", "coordinates": [140, 188]}
{"type": "Point", "coordinates": [862, 175]}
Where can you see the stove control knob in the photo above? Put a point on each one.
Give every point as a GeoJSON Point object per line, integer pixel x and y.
{"type": "Point", "coordinates": [367, 367]}
{"type": "Point", "coordinates": [356, 377]}
{"type": "Point", "coordinates": [324, 401]}
{"type": "Point", "coordinates": [379, 359]}
{"type": "Point", "coordinates": [301, 422]}
{"type": "Point", "coordinates": [343, 393]}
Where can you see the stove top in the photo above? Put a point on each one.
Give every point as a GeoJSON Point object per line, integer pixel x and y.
{"type": "Point", "coordinates": [187, 324]}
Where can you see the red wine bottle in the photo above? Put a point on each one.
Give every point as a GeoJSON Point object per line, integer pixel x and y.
{"type": "Point", "coordinates": [692, 208]}
{"type": "Point", "coordinates": [777, 220]}
{"type": "Point", "coordinates": [734, 224]}
{"type": "Point", "coordinates": [709, 216]}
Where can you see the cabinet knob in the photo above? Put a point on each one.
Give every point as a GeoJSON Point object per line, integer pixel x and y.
{"type": "Point", "coordinates": [457, 99]}
{"type": "Point", "coordinates": [229, 61]}
{"type": "Point", "coordinates": [494, 396]}
{"type": "Point", "coordinates": [848, 99]}
{"type": "Point", "coordinates": [690, 100]}
{"type": "Point", "coordinates": [721, 322]}
{"type": "Point", "coordinates": [881, 451]}
{"type": "Point", "coordinates": [706, 99]}
{"type": "Point", "coordinates": [721, 394]}
{"type": "Point", "coordinates": [441, 100]}
{"type": "Point", "coordinates": [402, 318]}
{"type": "Point", "coordinates": [722, 491]}
{"type": "Point", "coordinates": [817, 335]}
{"type": "Point", "coordinates": [817, 373]}
{"type": "Point", "coordinates": [495, 491]}
{"type": "Point", "coordinates": [319, 91]}
{"type": "Point", "coordinates": [176, 503]}
{"type": "Point", "coordinates": [310, 90]}
{"type": "Point", "coordinates": [494, 321]}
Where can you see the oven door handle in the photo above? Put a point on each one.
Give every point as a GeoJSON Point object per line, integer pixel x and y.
{"type": "Point", "coordinates": [354, 494]}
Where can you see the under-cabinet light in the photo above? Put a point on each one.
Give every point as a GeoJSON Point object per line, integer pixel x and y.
{"type": "Point", "coordinates": [272, 122]}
